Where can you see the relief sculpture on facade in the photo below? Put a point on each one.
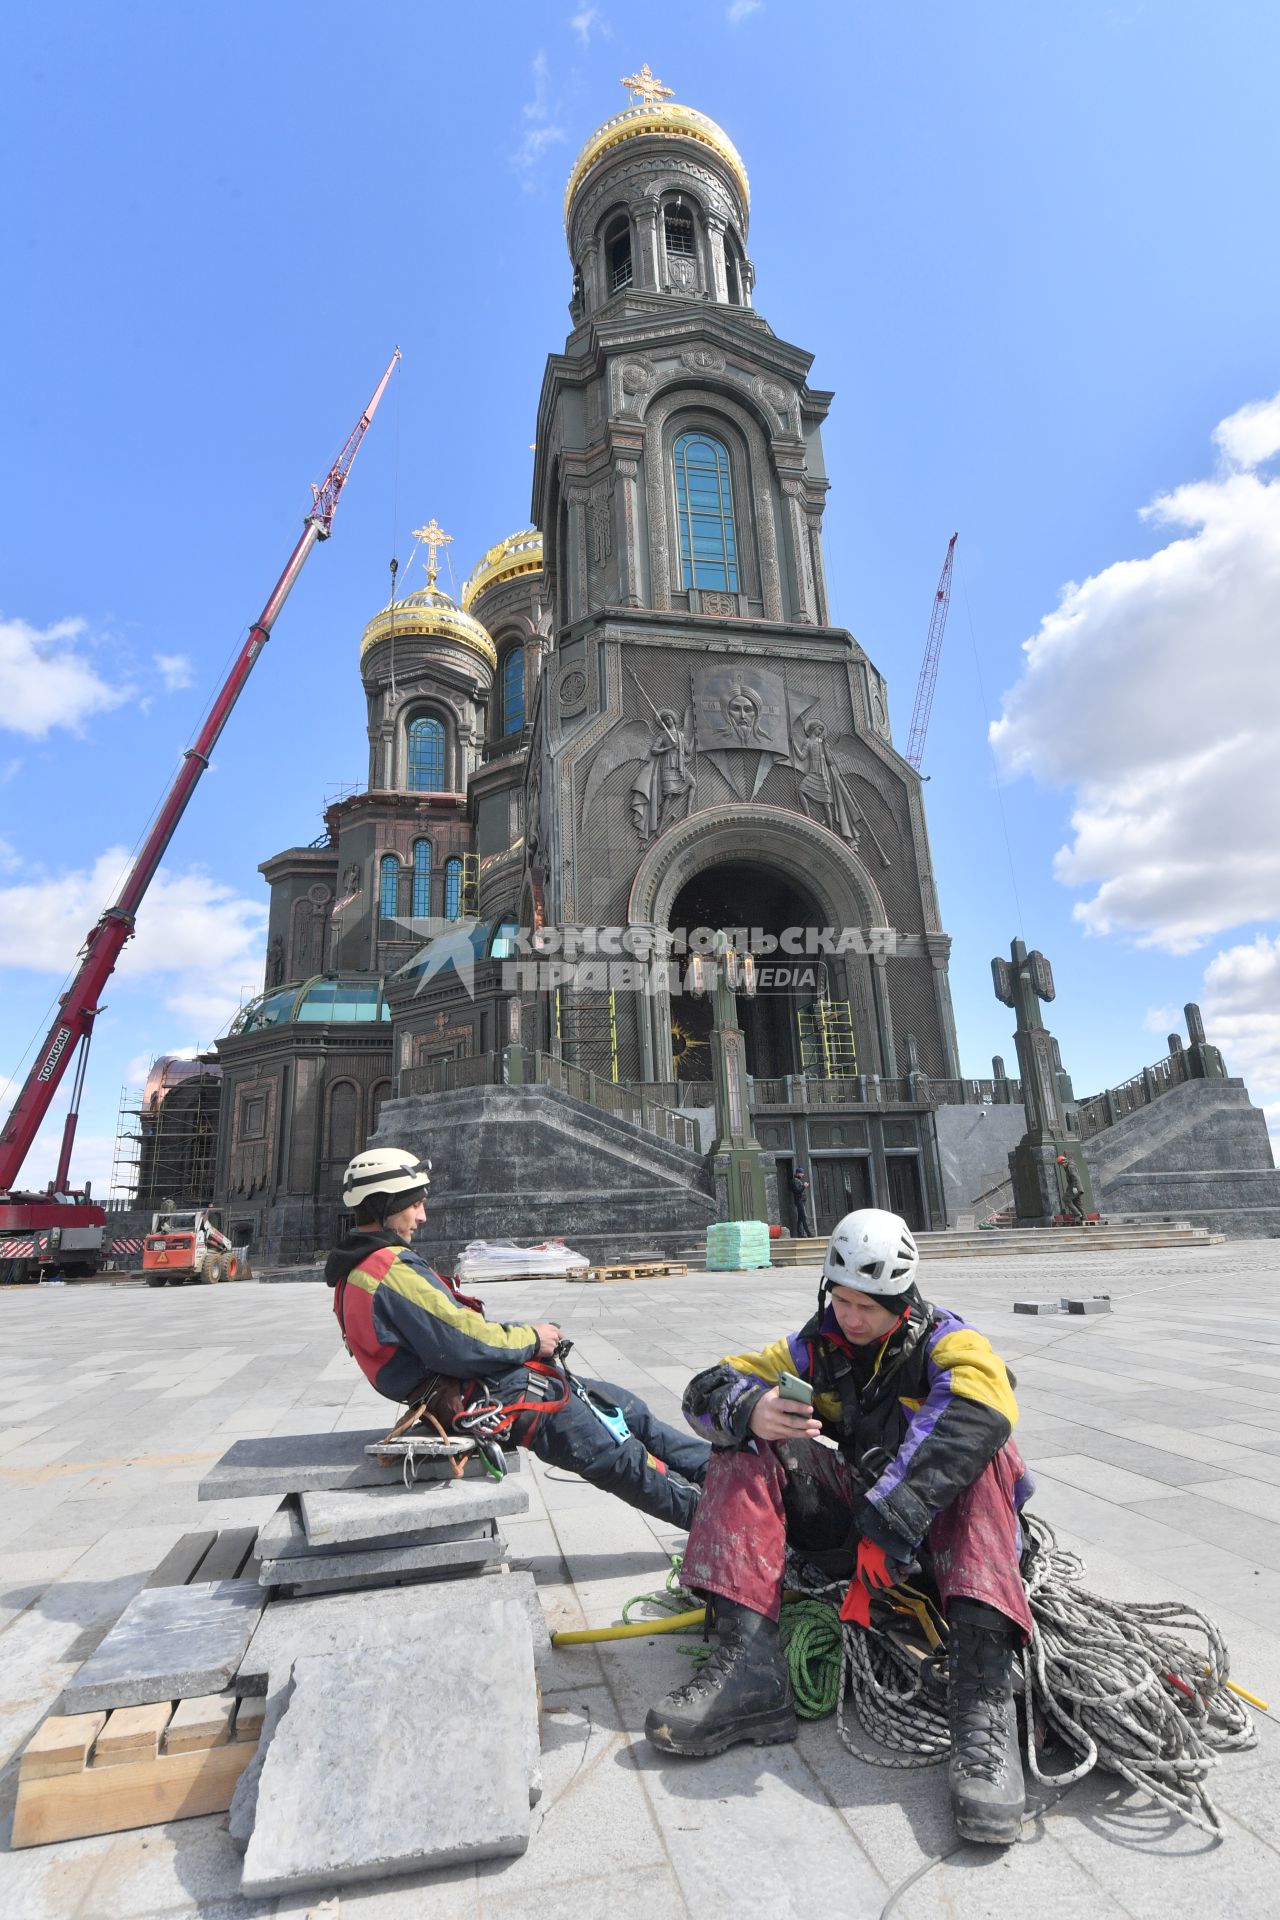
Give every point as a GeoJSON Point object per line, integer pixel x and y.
{"type": "Point", "coordinates": [825, 792]}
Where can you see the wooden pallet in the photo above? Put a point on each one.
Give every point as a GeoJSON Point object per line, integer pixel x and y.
{"type": "Point", "coordinates": [638, 1270]}
{"type": "Point", "coordinates": [86, 1773]}
{"type": "Point", "coordinates": [228, 1555]}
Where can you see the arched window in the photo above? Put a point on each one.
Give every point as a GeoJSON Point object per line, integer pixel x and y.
{"type": "Point", "coordinates": [677, 228]}
{"type": "Point", "coordinates": [704, 503]}
{"type": "Point", "coordinates": [452, 888]}
{"type": "Point", "coordinates": [378, 1094]}
{"type": "Point", "coordinates": [426, 756]}
{"type": "Point", "coordinates": [388, 887]}
{"type": "Point", "coordinates": [511, 696]}
{"type": "Point", "coordinates": [421, 879]}
{"type": "Point", "coordinates": [344, 1108]}
{"type": "Point", "coordinates": [617, 253]}
{"type": "Point", "coordinates": [733, 272]}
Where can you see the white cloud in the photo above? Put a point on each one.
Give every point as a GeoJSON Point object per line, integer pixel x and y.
{"type": "Point", "coordinates": [175, 670]}
{"type": "Point", "coordinates": [540, 131]}
{"type": "Point", "coordinates": [739, 10]}
{"type": "Point", "coordinates": [589, 20]}
{"type": "Point", "coordinates": [196, 937]}
{"type": "Point", "coordinates": [1152, 690]}
{"type": "Point", "coordinates": [46, 681]}
{"type": "Point", "coordinates": [1241, 1006]}
{"type": "Point", "coordinates": [1251, 435]}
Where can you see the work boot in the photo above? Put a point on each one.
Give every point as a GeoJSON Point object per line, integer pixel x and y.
{"type": "Point", "coordinates": [743, 1691]}
{"type": "Point", "coordinates": [985, 1773]}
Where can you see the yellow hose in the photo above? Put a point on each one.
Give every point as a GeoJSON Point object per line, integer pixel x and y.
{"type": "Point", "coordinates": [1264, 1706]}
{"type": "Point", "coordinates": [672, 1623]}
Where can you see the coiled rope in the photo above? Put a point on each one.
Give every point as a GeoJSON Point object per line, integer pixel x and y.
{"type": "Point", "coordinates": [1117, 1681]}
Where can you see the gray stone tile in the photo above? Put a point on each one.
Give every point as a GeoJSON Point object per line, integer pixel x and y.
{"type": "Point", "coordinates": [394, 1722]}
{"type": "Point", "coordinates": [170, 1642]}
{"type": "Point", "coordinates": [339, 1519]}
{"type": "Point", "coordinates": [292, 1463]}
{"type": "Point", "coordinates": [353, 1567]}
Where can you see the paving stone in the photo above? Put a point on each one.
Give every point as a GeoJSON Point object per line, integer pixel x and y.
{"type": "Point", "coordinates": [170, 1642]}
{"type": "Point", "coordinates": [336, 1519]}
{"type": "Point", "coordinates": [293, 1462]}
{"type": "Point", "coordinates": [284, 1536]}
{"type": "Point", "coordinates": [399, 1725]}
{"type": "Point", "coordinates": [354, 1568]}
{"type": "Point", "coordinates": [1037, 1306]}
{"type": "Point", "coordinates": [290, 1629]}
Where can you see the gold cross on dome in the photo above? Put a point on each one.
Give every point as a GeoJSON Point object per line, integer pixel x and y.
{"type": "Point", "coordinates": [645, 88]}
{"type": "Point", "coordinates": [432, 538]}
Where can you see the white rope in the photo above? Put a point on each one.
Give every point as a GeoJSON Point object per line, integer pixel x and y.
{"type": "Point", "coordinates": [1117, 1681]}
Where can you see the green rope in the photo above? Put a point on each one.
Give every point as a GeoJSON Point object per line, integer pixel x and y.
{"type": "Point", "coordinates": [811, 1638]}
{"type": "Point", "coordinates": [810, 1631]}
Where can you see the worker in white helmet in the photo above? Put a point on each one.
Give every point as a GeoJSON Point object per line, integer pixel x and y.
{"type": "Point", "coordinates": [876, 1437]}
{"type": "Point", "coordinates": [416, 1337]}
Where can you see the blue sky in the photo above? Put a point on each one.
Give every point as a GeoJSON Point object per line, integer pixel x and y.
{"type": "Point", "coordinates": [1032, 250]}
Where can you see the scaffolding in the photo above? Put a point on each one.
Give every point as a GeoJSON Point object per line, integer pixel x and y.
{"type": "Point", "coordinates": [827, 1046]}
{"type": "Point", "coordinates": [167, 1136]}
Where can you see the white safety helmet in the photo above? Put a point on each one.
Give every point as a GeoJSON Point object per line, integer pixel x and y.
{"type": "Point", "coordinates": [384, 1170]}
{"type": "Point", "coordinates": [873, 1252]}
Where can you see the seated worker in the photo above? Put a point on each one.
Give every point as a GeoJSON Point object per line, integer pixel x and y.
{"type": "Point", "coordinates": [416, 1337]}
{"type": "Point", "coordinates": [923, 1469]}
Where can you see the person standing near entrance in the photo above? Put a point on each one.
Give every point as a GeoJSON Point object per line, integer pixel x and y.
{"type": "Point", "coordinates": [800, 1200]}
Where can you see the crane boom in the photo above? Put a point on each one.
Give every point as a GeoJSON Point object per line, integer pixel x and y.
{"type": "Point", "coordinates": [73, 1024]}
{"type": "Point", "coordinates": [929, 665]}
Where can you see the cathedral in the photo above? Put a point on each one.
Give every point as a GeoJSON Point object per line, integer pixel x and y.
{"type": "Point", "coordinates": [636, 725]}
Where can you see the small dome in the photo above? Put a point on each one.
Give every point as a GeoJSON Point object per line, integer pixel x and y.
{"type": "Point", "coordinates": [651, 113]}
{"type": "Point", "coordinates": [322, 999]}
{"type": "Point", "coordinates": [428, 611]}
{"type": "Point", "coordinates": [518, 553]}
{"type": "Point", "coordinates": [433, 614]}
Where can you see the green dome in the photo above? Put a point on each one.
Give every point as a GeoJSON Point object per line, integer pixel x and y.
{"type": "Point", "coordinates": [322, 1000]}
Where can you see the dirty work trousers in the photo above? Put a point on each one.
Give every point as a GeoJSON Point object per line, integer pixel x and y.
{"type": "Point", "coordinates": [636, 1469]}
{"type": "Point", "coordinates": [762, 1498]}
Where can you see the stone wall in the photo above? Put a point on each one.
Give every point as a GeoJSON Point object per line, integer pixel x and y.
{"type": "Point", "coordinates": [1201, 1153]}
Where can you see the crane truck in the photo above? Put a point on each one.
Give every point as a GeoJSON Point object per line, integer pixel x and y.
{"type": "Point", "coordinates": [60, 1230]}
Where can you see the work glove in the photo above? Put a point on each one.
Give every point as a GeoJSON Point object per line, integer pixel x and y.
{"type": "Point", "coordinates": [874, 1573]}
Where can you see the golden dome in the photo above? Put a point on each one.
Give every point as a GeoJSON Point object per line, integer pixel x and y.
{"type": "Point", "coordinates": [518, 553]}
{"type": "Point", "coordinates": [433, 614]}
{"type": "Point", "coordinates": [653, 114]}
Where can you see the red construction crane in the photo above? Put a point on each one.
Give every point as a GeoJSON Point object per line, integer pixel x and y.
{"type": "Point", "coordinates": [23, 1216]}
{"type": "Point", "coordinates": [929, 665]}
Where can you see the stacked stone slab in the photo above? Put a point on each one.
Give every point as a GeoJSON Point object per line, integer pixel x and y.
{"type": "Point", "coordinates": [399, 1736]}
{"type": "Point", "coordinates": [323, 1541]}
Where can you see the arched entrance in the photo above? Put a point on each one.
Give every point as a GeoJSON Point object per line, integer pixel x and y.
{"type": "Point", "coordinates": [739, 894]}
{"type": "Point", "coordinates": [772, 847]}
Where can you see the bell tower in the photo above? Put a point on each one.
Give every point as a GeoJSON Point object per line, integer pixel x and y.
{"type": "Point", "coordinates": [700, 715]}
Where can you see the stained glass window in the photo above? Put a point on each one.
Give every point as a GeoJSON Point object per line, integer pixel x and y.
{"type": "Point", "coordinates": [513, 691]}
{"type": "Point", "coordinates": [426, 756]}
{"type": "Point", "coordinates": [421, 879]}
{"type": "Point", "coordinates": [452, 889]}
{"type": "Point", "coordinates": [388, 886]}
{"type": "Point", "coordinates": [704, 501]}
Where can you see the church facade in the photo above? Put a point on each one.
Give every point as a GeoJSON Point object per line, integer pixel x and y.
{"type": "Point", "coordinates": [637, 726]}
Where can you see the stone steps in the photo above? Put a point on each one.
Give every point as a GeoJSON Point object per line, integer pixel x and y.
{"type": "Point", "coordinates": [999, 1241]}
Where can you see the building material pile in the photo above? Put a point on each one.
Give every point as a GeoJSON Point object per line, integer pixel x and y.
{"type": "Point", "coordinates": [735, 1245]}
{"type": "Point", "coordinates": [378, 1641]}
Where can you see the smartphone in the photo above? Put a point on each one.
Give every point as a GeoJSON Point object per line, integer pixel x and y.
{"type": "Point", "coordinates": [790, 1387]}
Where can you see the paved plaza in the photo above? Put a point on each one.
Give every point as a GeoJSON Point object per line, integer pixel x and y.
{"type": "Point", "coordinates": [1154, 1433]}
